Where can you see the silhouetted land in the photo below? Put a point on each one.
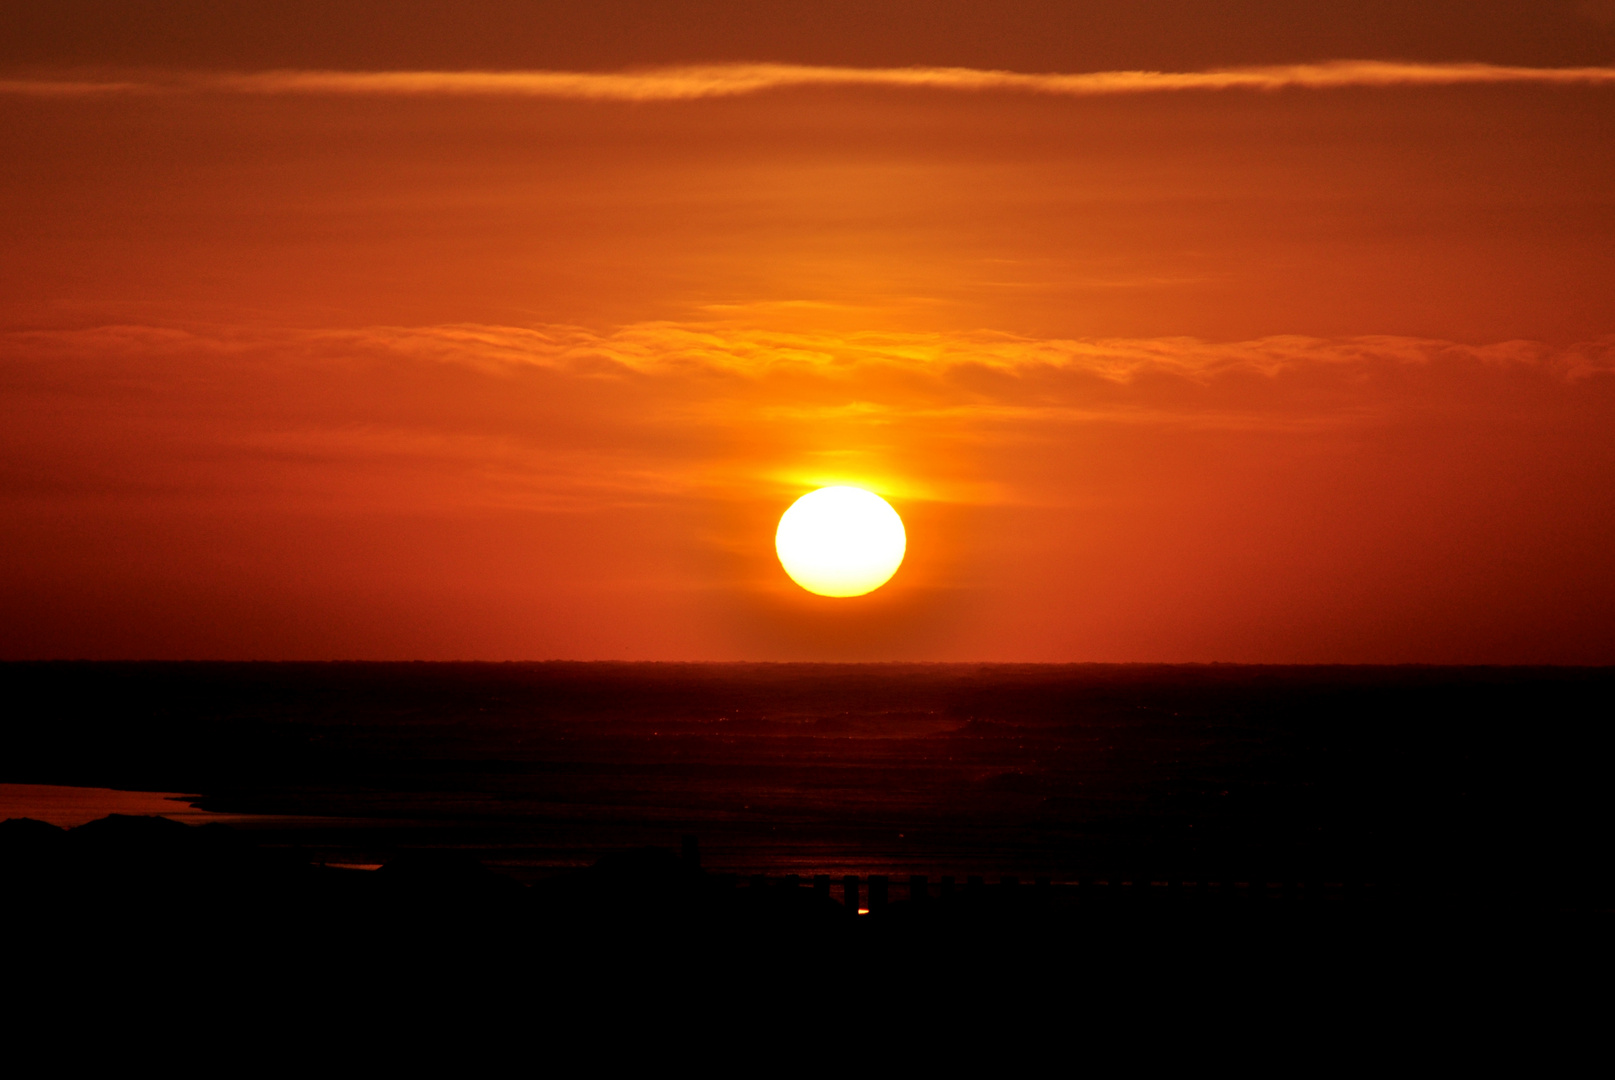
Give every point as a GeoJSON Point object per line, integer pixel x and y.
{"type": "Point", "coordinates": [434, 938]}
{"type": "Point", "coordinates": [1335, 819]}
{"type": "Point", "coordinates": [147, 885]}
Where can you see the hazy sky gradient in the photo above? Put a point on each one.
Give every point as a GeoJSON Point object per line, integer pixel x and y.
{"type": "Point", "coordinates": [1288, 375]}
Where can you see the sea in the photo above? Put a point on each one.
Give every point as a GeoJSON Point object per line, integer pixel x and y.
{"type": "Point", "coordinates": [1447, 777]}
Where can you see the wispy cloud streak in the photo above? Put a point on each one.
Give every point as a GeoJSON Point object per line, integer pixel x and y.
{"type": "Point", "coordinates": [733, 80]}
{"type": "Point", "coordinates": [717, 349]}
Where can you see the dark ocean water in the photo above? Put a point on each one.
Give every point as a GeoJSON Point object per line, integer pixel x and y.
{"type": "Point", "coordinates": [1454, 776]}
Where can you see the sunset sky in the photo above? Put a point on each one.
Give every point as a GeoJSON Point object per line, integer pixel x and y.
{"type": "Point", "coordinates": [1262, 332]}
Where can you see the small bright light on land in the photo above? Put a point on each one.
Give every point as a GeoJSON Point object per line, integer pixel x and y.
{"type": "Point", "coordinates": [840, 541]}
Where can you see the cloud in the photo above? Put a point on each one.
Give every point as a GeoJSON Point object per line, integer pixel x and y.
{"type": "Point", "coordinates": [68, 88]}
{"type": "Point", "coordinates": [732, 80]}
{"type": "Point", "coordinates": [568, 418]}
{"type": "Point", "coordinates": [730, 349]}
{"type": "Point", "coordinates": [721, 358]}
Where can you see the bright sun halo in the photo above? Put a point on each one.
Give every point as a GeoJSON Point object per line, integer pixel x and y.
{"type": "Point", "coordinates": [840, 541]}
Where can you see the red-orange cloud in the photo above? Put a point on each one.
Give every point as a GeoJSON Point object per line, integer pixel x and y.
{"type": "Point", "coordinates": [687, 83]}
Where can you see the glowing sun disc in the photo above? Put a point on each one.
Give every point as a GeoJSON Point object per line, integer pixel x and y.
{"type": "Point", "coordinates": [840, 541]}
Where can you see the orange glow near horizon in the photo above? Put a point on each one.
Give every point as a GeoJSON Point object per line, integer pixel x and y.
{"type": "Point", "coordinates": [1323, 372]}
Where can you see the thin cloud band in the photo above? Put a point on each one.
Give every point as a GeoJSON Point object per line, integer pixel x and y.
{"type": "Point", "coordinates": [733, 80]}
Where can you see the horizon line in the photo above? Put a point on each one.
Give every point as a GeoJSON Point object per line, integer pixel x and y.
{"type": "Point", "coordinates": [1382, 664]}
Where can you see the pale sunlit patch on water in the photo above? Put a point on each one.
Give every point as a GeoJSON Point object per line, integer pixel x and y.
{"type": "Point", "coordinates": [71, 806]}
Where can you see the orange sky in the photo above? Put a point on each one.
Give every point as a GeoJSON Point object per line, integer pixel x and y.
{"type": "Point", "coordinates": [298, 367]}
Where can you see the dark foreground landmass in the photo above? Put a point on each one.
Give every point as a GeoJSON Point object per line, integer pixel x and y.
{"type": "Point", "coordinates": [133, 910]}
{"type": "Point", "coordinates": [1326, 820]}
{"type": "Point", "coordinates": [147, 893]}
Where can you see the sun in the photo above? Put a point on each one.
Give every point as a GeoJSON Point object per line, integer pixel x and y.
{"type": "Point", "coordinates": [840, 541]}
